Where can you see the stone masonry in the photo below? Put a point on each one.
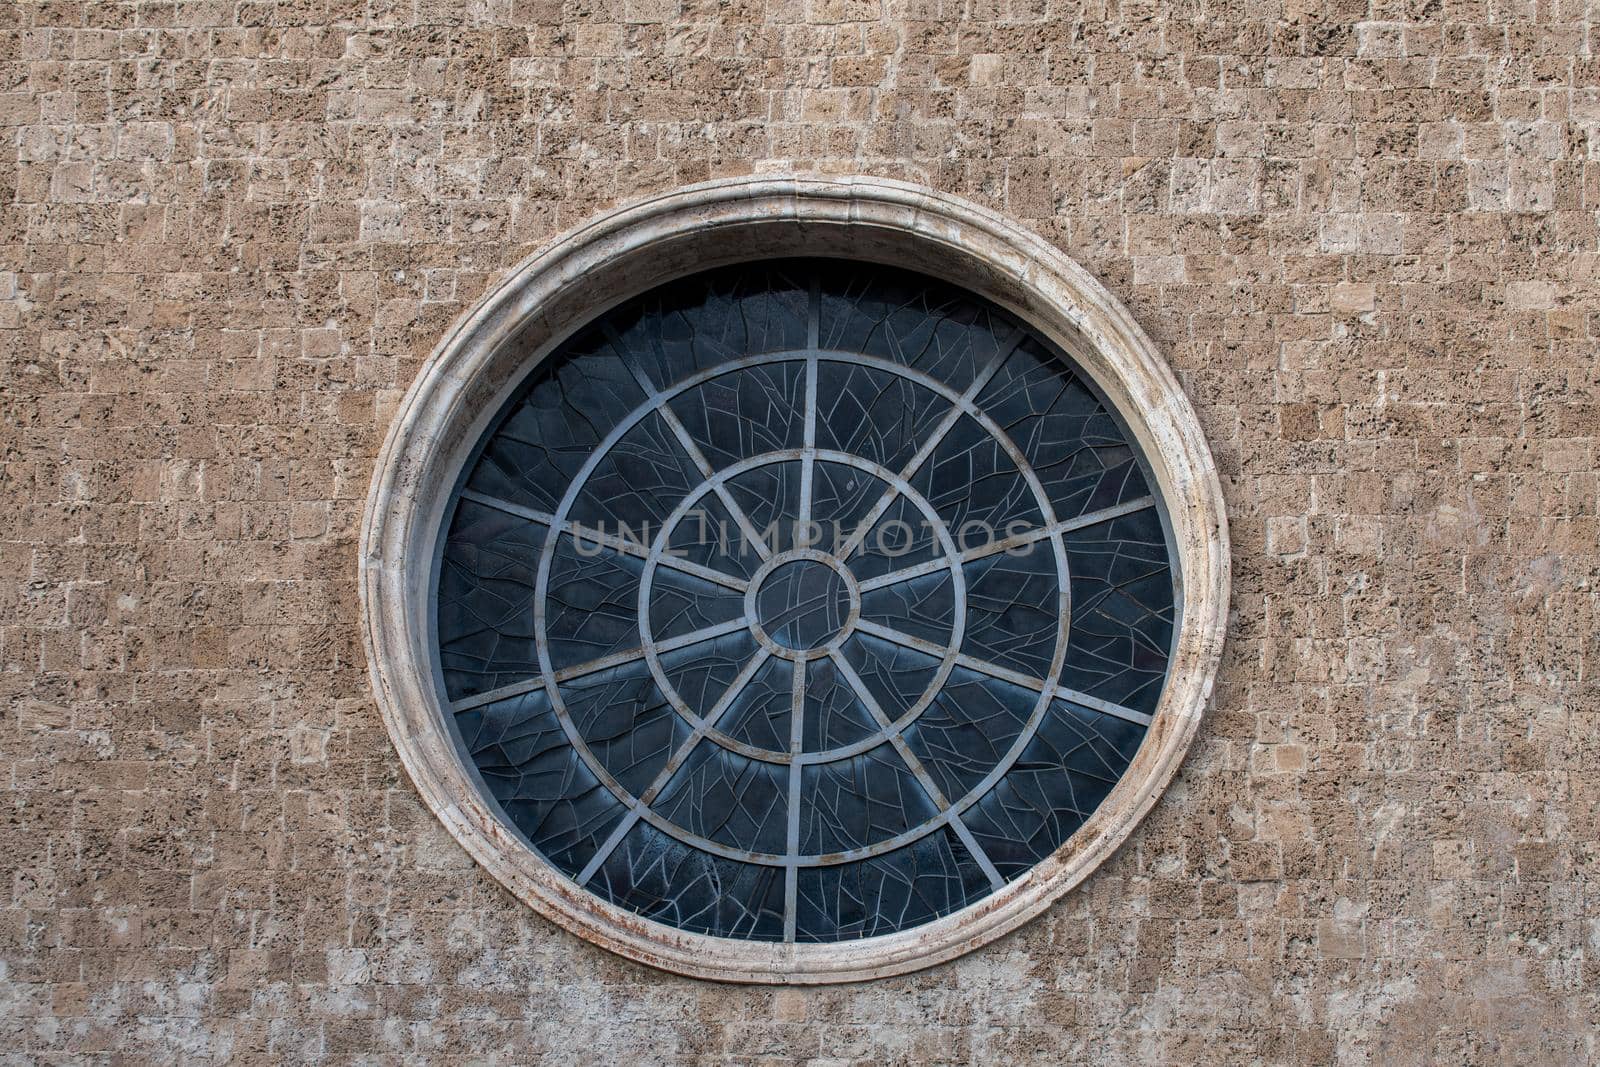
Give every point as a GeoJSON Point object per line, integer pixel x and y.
{"type": "Point", "coordinates": [1365, 234]}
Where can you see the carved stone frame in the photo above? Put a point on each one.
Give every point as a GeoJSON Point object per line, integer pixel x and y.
{"type": "Point", "coordinates": [636, 247]}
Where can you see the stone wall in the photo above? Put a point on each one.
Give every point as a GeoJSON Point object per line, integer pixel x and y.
{"type": "Point", "coordinates": [1364, 235]}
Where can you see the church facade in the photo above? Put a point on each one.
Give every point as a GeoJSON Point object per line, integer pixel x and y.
{"type": "Point", "coordinates": [1324, 272]}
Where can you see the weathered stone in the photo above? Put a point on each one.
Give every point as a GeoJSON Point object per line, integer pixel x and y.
{"type": "Point", "coordinates": [233, 232]}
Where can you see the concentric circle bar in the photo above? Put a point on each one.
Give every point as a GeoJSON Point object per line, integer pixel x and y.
{"type": "Point", "coordinates": [803, 601]}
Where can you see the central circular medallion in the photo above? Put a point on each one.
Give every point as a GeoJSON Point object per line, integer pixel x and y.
{"type": "Point", "coordinates": [802, 603]}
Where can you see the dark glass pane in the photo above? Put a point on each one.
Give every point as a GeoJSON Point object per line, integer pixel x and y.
{"type": "Point", "coordinates": [628, 726]}
{"type": "Point", "coordinates": [897, 678]}
{"type": "Point", "coordinates": [1072, 443]}
{"type": "Point", "coordinates": [730, 799]}
{"type": "Point", "coordinates": [530, 767]}
{"type": "Point", "coordinates": [834, 714]}
{"type": "Point", "coordinates": [681, 604]}
{"type": "Point", "coordinates": [968, 729]}
{"type": "Point", "coordinates": [926, 325]}
{"type": "Point", "coordinates": [908, 887]}
{"type": "Point", "coordinates": [1068, 768]}
{"type": "Point", "coordinates": [665, 880]}
{"type": "Point", "coordinates": [860, 801]}
{"type": "Point", "coordinates": [485, 608]}
{"type": "Point", "coordinates": [874, 414]}
{"type": "Point", "coordinates": [711, 319]}
{"type": "Point", "coordinates": [747, 413]}
{"type": "Point", "coordinates": [922, 607]}
{"type": "Point", "coordinates": [1122, 611]}
{"type": "Point", "coordinates": [592, 605]}
{"type": "Point", "coordinates": [638, 483]}
{"type": "Point", "coordinates": [1014, 609]}
{"type": "Point", "coordinates": [975, 486]}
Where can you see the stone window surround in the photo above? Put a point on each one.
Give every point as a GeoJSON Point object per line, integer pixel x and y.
{"type": "Point", "coordinates": [631, 249]}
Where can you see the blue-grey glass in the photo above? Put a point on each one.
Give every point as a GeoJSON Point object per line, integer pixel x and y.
{"type": "Point", "coordinates": [759, 715]}
{"type": "Point", "coordinates": [485, 600]}
{"type": "Point", "coordinates": [922, 607]}
{"type": "Point", "coordinates": [1068, 768]}
{"type": "Point", "coordinates": [803, 604]}
{"type": "Point", "coordinates": [1013, 609]}
{"type": "Point", "coordinates": [802, 601]}
{"type": "Point", "coordinates": [532, 770]}
{"type": "Point", "coordinates": [931, 877]}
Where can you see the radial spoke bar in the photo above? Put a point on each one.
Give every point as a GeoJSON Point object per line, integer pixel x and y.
{"type": "Point", "coordinates": [670, 644]}
{"type": "Point", "coordinates": [808, 452]}
{"type": "Point", "coordinates": [593, 535]}
{"type": "Point", "coordinates": [1005, 674]}
{"type": "Point", "coordinates": [900, 637]}
{"type": "Point", "coordinates": [814, 320]}
{"type": "Point", "coordinates": [615, 659]}
{"type": "Point", "coordinates": [1105, 707]}
{"type": "Point", "coordinates": [609, 845]}
{"type": "Point", "coordinates": [706, 724]}
{"type": "Point", "coordinates": [1026, 537]}
{"type": "Point", "coordinates": [935, 794]}
{"type": "Point", "coordinates": [698, 458]}
{"type": "Point", "coordinates": [797, 735]}
{"type": "Point", "coordinates": [1017, 678]}
{"type": "Point", "coordinates": [1003, 350]}
{"type": "Point", "coordinates": [808, 455]}
{"type": "Point", "coordinates": [679, 756]}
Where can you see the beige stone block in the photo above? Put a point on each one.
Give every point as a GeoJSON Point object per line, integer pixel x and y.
{"type": "Point", "coordinates": [1536, 294]}
{"type": "Point", "coordinates": [1353, 298]}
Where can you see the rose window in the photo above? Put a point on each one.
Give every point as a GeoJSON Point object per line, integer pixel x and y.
{"type": "Point", "coordinates": [802, 601]}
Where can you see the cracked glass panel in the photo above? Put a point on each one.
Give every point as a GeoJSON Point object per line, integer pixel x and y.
{"type": "Point", "coordinates": [803, 601]}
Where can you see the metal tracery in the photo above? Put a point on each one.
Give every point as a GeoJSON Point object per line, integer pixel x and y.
{"type": "Point", "coordinates": [803, 600]}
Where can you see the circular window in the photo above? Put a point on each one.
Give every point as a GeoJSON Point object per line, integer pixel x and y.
{"type": "Point", "coordinates": [790, 619]}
